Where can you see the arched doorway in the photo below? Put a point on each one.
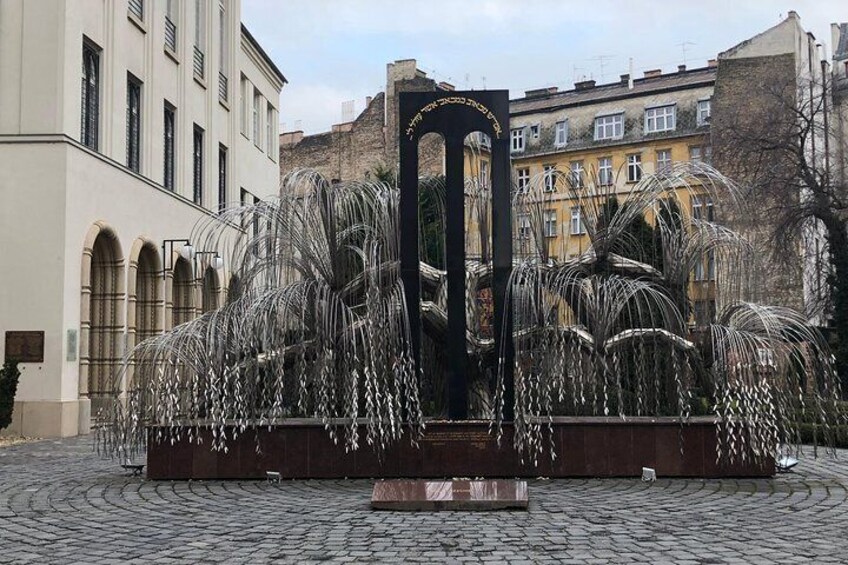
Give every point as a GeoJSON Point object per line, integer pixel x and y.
{"type": "Point", "coordinates": [102, 316]}
{"type": "Point", "coordinates": [211, 291]}
{"type": "Point", "coordinates": [144, 293]}
{"type": "Point", "coordinates": [184, 302]}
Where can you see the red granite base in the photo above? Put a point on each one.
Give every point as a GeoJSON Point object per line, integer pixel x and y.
{"type": "Point", "coordinates": [585, 447]}
{"type": "Point", "coordinates": [458, 494]}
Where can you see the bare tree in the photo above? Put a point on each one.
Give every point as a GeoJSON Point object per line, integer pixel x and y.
{"type": "Point", "coordinates": [780, 138]}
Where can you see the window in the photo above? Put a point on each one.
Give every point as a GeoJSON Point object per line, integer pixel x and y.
{"type": "Point", "coordinates": [695, 154]}
{"type": "Point", "coordinates": [702, 208]}
{"type": "Point", "coordinates": [523, 180]}
{"type": "Point", "coordinates": [703, 112]}
{"type": "Point", "coordinates": [523, 226]}
{"type": "Point", "coordinates": [517, 137]}
{"type": "Point", "coordinates": [256, 131]}
{"type": "Point", "coordinates": [171, 25]}
{"type": "Point", "coordinates": [577, 174]}
{"type": "Point", "coordinates": [699, 269]}
{"type": "Point", "coordinates": [534, 131]}
{"type": "Point", "coordinates": [664, 161]}
{"type": "Point", "coordinates": [199, 38]}
{"type": "Point", "coordinates": [550, 178]}
{"type": "Point", "coordinates": [244, 93]}
{"type": "Point", "coordinates": [660, 119]}
{"type": "Point", "coordinates": [136, 8]}
{"type": "Point", "coordinates": [197, 175]}
{"type": "Point", "coordinates": [90, 117]}
{"type": "Point", "coordinates": [169, 142]}
{"type": "Point", "coordinates": [711, 265]}
{"type": "Point", "coordinates": [577, 226]}
{"type": "Point", "coordinates": [705, 311]}
{"type": "Point", "coordinates": [609, 127]}
{"type": "Point", "coordinates": [484, 174]}
{"type": "Point", "coordinates": [222, 178]}
{"type": "Point", "coordinates": [223, 80]}
{"type": "Point", "coordinates": [133, 123]}
{"type": "Point", "coordinates": [270, 121]}
{"type": "Point", "coordinates": [550, 218]}
{"type": "Point", "coordinates": [605, 171]}
{"type": "Point", "coordinates": [634, 168]}
{"type": "Point", "coordinates": [561, 137]}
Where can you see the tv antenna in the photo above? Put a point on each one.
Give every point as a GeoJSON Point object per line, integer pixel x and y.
{"type": "Point", "coordinates": [602, 63]}
{"type": "Point", "coordinates": [682, 46]}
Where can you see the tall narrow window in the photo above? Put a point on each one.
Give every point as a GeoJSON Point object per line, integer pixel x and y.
{"type": "Point", "coordinates": [550, 178]}
{"type": "Point", "coordinates": [577, 174]}
{"type": "Point", "coordinates": [223, 80]}
{"type": "Point", "coordinates": [171, 25]}
{"type": "Point", "coordinates": [605, 171]}
{"type": "Point", "coordinates": [634, 168]}
{"type": "Point", "coordinates": [197, 175]}
{"type": "Point", "coordinates": [524, 226]}
{"type": "Point", "coordinates": [269, 131]}
{"type": "Point", "coordinates": [222, 177]}
{"type": "Point", "coordinates": [703, 112]}
{"type": "Point", "coordinates": [523, 180]}
{"type": "Point", "coordinates": [169, 142]}
{"type": "Point", "coordinates": [484, 174]}
{"type": "Point", "coordinates": [90, 117]}
{"type": "Point", "coordinates": [664, 161]}
{"type": "Point", "coordinates": [133, 123]}
{"type": "Point", "coordinates": [561, 133]}
{"type": "Point", "coordinates": [244, 93]}
{"type": "Point", "coordinates": [550, 223]}
{"type": "Point", "coordinates": [199, 38]}
{"type": "Point", "coordinates": [576, 221]}
{"type": "Point", "coordinates": [256, 131]}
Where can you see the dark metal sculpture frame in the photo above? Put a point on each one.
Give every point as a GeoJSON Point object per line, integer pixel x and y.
{"type": "Point", "coordinates": [454, 115]}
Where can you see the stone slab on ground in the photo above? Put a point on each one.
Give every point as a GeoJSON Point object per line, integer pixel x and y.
{"type": "Point", "coordinates": [456, 494]}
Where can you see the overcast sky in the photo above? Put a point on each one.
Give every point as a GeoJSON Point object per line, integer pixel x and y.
{"type": "Point", "coordinates": [332, 51]}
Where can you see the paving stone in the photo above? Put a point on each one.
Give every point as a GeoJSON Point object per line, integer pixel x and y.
{"type": "Point", "coordinates": [61, 503]}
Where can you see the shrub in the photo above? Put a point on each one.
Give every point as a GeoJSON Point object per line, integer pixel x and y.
{"type": "Point", "coordinates": [8, 387]}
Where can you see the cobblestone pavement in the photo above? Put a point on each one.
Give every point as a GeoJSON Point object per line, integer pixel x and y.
{"type": "Point", "coordinates": [61, 503]}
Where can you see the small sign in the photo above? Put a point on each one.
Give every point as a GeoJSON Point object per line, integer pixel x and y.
{"type": "Point", "coordinates": [72, 346]}
{"type": "Point", "coordinates": [25, 346]}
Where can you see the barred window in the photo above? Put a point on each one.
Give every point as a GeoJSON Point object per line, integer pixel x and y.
{"type": "Point", "coordinates": [169, 142]}
{"type": "Point", "coordinates": [197, 175]}
{"type": "Point", "coordinates": [133, 123]}
{"type": "Point", "coordinates": [90, 116]}
{"type": "Point", "coordinates": [222, 177]}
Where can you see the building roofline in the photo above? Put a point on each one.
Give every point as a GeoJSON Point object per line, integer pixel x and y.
{"type": "Point", "coordinates": [263, 54]}
{"type": "Point", "coordinates": [611, 96]}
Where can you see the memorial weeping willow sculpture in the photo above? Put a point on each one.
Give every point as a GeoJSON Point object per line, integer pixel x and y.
{"type": "Point", "coordinates": [315, 322]}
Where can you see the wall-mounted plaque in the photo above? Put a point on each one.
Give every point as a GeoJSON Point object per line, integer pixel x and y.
{"type": "Point", "coordinates": [25, 347]}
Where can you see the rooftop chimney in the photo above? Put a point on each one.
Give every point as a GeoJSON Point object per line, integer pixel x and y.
{"type": "Point", "coordinates": [793, 15]}
{"type": "Point", "coordinates": [681, 68]}
{"type": "Point", "coordinates": [447, 86]}
{"type": "Point", "coordinates": [584, 85]}
{"type": "Point", "coordinates": [712, 63]}
{"type": "Point", "coordinates": [368, 100]}
{"type": "Point", "coordinates": [538, 92]}
{"type": "Point", "coordinates": [653, 73]}
{"type": "Point", "coordinates": [625, 79]}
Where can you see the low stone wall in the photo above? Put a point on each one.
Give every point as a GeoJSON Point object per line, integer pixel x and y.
{"type": "Point", "coordinates": [585, 447]}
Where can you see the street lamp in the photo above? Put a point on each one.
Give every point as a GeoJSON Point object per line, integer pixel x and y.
{"type": "Point", "coordinates": [216, 262]}
{"type": "Point", "coordinates": [186, 252]}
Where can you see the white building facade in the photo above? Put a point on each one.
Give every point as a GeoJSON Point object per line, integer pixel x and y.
{"type": "Point", "coordinates": [123, 123]}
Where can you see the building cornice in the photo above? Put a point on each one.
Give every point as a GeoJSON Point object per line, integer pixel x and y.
{"type": "Point", "coordinates": [58, 138]}
{"type": "Point", "coordinates": [263, 61]}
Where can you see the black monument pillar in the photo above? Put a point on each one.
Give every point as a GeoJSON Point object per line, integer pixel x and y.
{"type": "Point", "coordinates": [455, 115]}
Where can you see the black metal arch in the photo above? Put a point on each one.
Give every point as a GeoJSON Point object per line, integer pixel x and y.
{"type": "Point", "coordinates": [454, 115]}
